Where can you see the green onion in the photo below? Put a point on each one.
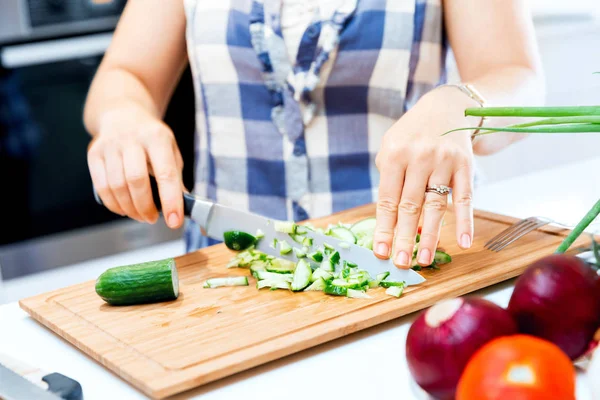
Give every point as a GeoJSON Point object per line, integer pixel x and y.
{"type": "Point", "coordinates": [566, 128]}
{"type": "Point", "coordinates": [533, 111]}
{"type": "Point", "coordinates": [578, 230]}
{"type": "Point", "coordinates": [577, 119]}
{"type": "Point", "coordinates": [561, 120]}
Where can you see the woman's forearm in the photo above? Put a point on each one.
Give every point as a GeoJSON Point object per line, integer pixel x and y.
{"type": "Point", "coordinates": [504, 87]}
{"type": "Point", "coordinates": [142, 65]}
{"type": "Point", "coordinates": [112, 89]}
{"type": "Point", "coordinates": [495, 48]}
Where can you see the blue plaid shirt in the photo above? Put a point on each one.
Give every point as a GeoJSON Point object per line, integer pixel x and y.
{"type": "Point", "coordinates": [293, 140]}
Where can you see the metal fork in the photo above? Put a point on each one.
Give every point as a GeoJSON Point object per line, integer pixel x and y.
{"type": "Point", "coordinates": [515, 232]}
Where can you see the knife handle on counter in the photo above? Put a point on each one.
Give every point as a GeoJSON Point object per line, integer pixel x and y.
{"type": "Point", "coordinates": [54, 383]}
{"type": "Point", "coordinates": [201, 208]}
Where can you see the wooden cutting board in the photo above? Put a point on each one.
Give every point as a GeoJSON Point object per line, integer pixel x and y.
{"type": "Point", "coordinates": [207, 334]}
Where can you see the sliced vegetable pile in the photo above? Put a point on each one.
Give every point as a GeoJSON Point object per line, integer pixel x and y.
{"type": "Point", "coordinates": [556, 301]}
{"type": "Point", "coordinates": [317, 269]}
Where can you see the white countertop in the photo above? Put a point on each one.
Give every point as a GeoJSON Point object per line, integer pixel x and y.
{"type": "Point", "coordinates": [375, 355]}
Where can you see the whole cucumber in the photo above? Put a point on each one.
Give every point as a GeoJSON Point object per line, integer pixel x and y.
{"type": "Point", "coordinates": [148, 282]}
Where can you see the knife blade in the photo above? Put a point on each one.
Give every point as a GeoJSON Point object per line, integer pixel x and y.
{"type": "Point", "coordinates": [216, 219]}
{"type": "Point", "coordinates": [221, 219]}
{"type": "Point", "coordinates": [14, 387]}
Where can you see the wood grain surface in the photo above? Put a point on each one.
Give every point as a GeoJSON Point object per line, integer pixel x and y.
{"type": "Point", "coordinates": [207, 334]}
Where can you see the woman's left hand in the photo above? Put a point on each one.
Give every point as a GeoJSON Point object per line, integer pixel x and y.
{"type": "Point", "coordinates": [414, 155]}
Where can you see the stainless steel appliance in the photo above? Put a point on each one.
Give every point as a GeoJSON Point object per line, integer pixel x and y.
{"type": "Point", "coordinates": [49, 52]}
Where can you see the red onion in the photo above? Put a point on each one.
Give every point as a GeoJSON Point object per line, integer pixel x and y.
{"type": "Point", "coordinates": [442, 339]}
{"type": "Point", "coordinates": [557, 299]}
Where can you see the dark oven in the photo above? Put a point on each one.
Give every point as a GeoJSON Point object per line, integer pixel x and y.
{"type": "Point", "coordinates": [49, 51]}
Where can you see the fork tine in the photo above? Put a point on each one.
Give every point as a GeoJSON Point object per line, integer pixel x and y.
{"type": "Point", "coordinates": [536, 226]}
{"type": "Point", "coordinates": [517, 233]}
{"type": "Point", "coordinates": [507, 232]}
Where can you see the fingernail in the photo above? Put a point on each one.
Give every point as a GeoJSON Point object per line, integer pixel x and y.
{"type": "Point", "coordinates": [465, 241]}
{"type": "Point", "coordinates": [424, 256]}
{"type": "Point", "coordinates": [402, 259]}
{"type": "Point", "coordinates": [383, 250]}
{"type": "Point", "coordinates": [172, 220]}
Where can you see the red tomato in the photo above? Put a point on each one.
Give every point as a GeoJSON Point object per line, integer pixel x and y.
{"type": "Point", "coordinates": [518, 367]}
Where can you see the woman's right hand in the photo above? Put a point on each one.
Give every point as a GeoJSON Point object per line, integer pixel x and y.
{"type": "Point", "coordinates": [130, 144]}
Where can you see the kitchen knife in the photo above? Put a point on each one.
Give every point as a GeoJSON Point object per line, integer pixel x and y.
{"type": "Point", "coordinates": [216, 219]}
{"type": "Point", "coordinates": [19, 381]}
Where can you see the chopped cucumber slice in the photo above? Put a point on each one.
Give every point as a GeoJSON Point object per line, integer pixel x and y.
{"type": "Point", "coordinates": [230, 281]}
{"type": "Point", "coordinates": [441, 258]}
{"type": "Point", "coordinates": [307, 242]}
{"type": "Point", "coordinates": [346, 272]}
{"type": "Point", "coordinates": [321, 273]}
{"type": "Point", "coordinates": [362, 277]}
{"type": "Point", "coordinates": [357, 294]}
{"type": "Point", "coordinates": [238, 240]}
{"type": "Point", "coordinates": [365, 241]}
{"type": "Point", "coordinates": [297, 238]}
{"type": "Point", "coordinates": [335, 258]}
{"type": "Point", "coordinates": [274, 276]}
{"type": "Point", "coordinates": [244, 259]}
{"type": "Point", "coordinates": [318, 285]}
{"type": "Point", "coordinates": [299, 253]}
{"type": "Point", "coordinates": [341, 283]}
{"type": "Point", "coordinates": [344, 245]}
{"type": "Point", "coordinates": [273, 284]}
{"type": "Point", "coordinates": [285, 226]}
{"type": "Point", "coordinates": [302, 276]}
{"type": "Point", "coordinates": [328, 246]}
{"type": "Point", "coordinates": [380, 277]}
{"type": "Point", "coordinates": [364, 227]}
{"type": "Point", "coordinates": [327, 265]}
{"type": "Point", "coordinates": [258, 266]}
{"type": "Point", "coordinates": [387, 284]}
{"type": "Point", "coordinates": [350, 264]}
{"type": "Point", "coordinates": [335, 290]}
{"type": "Point", "coordinates": [316, 256]}
{"type": "Point", "coordinates": [284, 248]}
{"type": "Point", "coordinates": [274, 243]}
{"type": "Point", "coordinates": [301, 230]}
{"type": "Point", "coordinates": [259, 234]}
{"type": "Point", "coordinates": [281, 266]}
{"type": "Point", "coordinates": [395, 291]}
{"type": "Point", "coordinates": [342, 233]}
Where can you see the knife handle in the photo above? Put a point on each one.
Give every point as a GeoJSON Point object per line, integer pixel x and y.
{"type": "Point", "coordinates": [59, 384]}
{"type": "Point", "coordinates": [188, 199]}
{"type": "Point", "coordinates": [65, 387]}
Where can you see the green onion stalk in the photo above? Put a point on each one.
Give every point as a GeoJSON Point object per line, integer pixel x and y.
{"type": "Point", "coordinates": [553, 120]}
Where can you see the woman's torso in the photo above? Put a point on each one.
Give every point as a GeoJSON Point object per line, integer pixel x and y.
{"type": "Point", "coordinates": [292, 140]}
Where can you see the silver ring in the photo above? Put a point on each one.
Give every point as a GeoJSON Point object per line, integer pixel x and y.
{"type": "Point", "coordinates": [442, 190]}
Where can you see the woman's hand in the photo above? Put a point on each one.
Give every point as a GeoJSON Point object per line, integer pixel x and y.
{"type": "Point", "coordinates": [130, 144]}
{"type": "Point", "coordinates": [413, 156]}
